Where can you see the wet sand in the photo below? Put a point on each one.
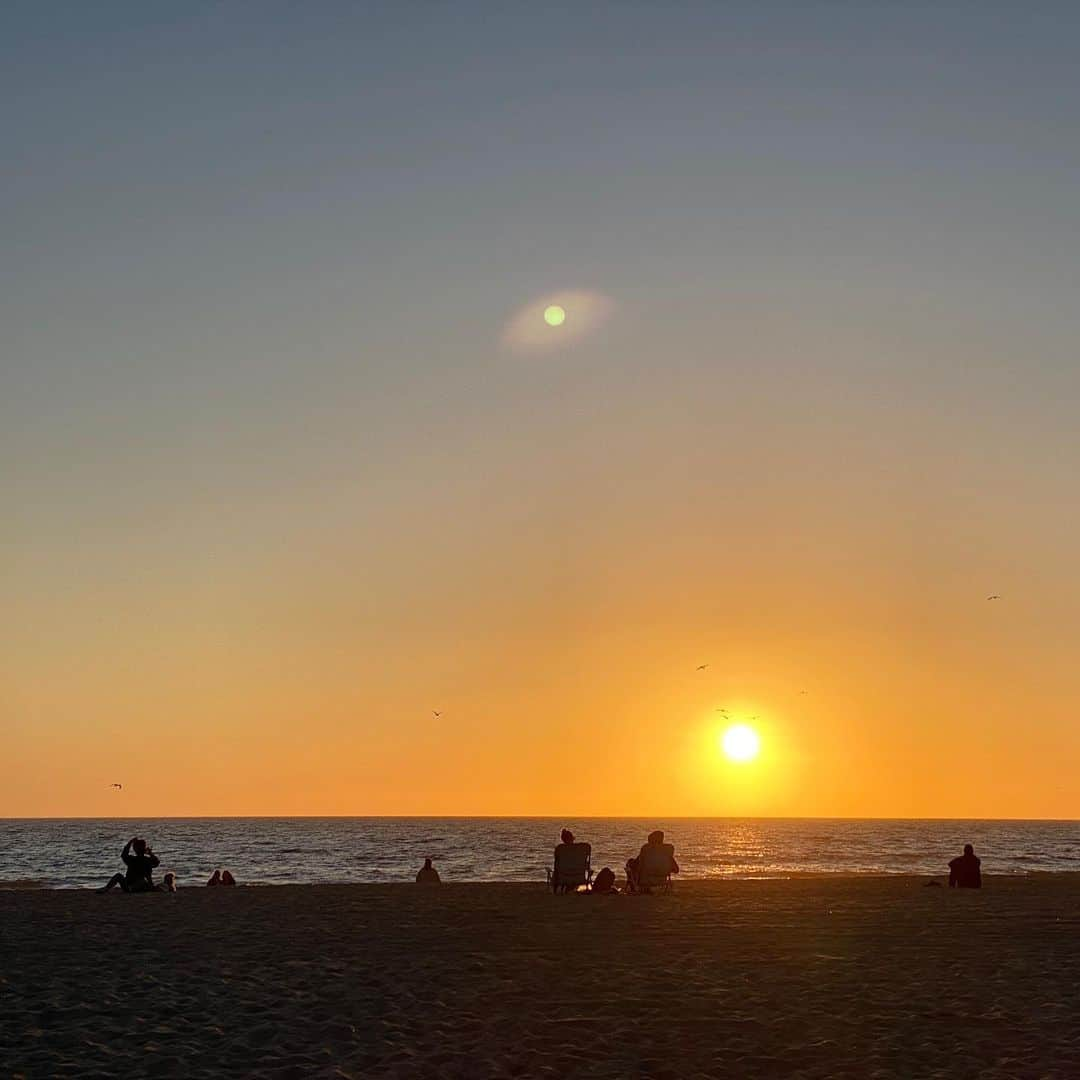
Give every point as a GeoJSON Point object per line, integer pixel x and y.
{"type": "Point", "coordinates": [815, 977]}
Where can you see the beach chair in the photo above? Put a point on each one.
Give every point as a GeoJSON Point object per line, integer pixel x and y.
{"type": "Point", "coordinates": [654, 867]}
{"type": "Point", "coordinates": [573, 867]}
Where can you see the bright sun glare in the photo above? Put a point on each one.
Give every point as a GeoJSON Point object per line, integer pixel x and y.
{"type": "Point", "coordinates": [741, 743]}
{"type": "Point", "coordinates": [555, 315]}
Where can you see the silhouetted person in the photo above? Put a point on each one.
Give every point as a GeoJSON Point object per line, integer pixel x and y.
{"type": "Point", "coordinates": [572, 866]}
{"type": "Point", "coordinates": [221, 877]}
{"type": "Point", "coordinates": [562, 851]}
{"type": "Point", "coordinates": [139, 875]}
{"type": "Point", "coordinates": [604, 882]}
{"type": "Point", "coordinates": [964, 870]}
{"type": "Point", "coordinates": [427, 874]}
{"type": "Point", "coordinates": [655, 860]}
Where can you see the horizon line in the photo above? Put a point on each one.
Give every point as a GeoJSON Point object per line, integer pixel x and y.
{"type": "Point", "coordinates": [519, 817]}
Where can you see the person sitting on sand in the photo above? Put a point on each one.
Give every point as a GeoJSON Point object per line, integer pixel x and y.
{"type": "Point", "coordinates": [221, 877]}
{"type": "Point", "coordinates": [964, 870]}
{"type": "Point", "coordinates": [604, 882]}
{"type": "Point", "coordinates": [657, 855]}
{"type": "Point", "coordinates": [139, 875]}
{"type": "Point", "coordinates": [427, 874]}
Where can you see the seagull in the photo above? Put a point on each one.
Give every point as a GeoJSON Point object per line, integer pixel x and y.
{"type": "Point", "coordinates": [702, 667]}
{"type": "Point", "coordinates": [804, 691]}
{"type": "Point", "coordinates": [119, 787]}
{"type": "Point", "coordinates": [436, 713]}
{"type": "Point", "coordinates": [994, 597]}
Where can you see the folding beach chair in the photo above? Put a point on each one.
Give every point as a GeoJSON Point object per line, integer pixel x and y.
{"type": "Point", "coordinates": [573, 867]}
{"type": "Point", "coordinates": [654, 867]}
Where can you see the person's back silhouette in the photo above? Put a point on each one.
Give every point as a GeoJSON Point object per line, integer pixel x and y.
{"type": "Point", "coordinates": [654, 864]}
{"type": "Point", "coordinates": [964, 872]}
{"type": "Point", "coordinates": [571, 866]}
{"type": "Point", "coordinates": [427, 874]}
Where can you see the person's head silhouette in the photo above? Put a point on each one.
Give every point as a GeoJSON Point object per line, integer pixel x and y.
{"type": "Point", "coordinates": [427, 864]}
{"type": "Point", "coordinates": [567, 836]}
{"type": "Point", "coordinates": [656, 837]}
{"type": "Point", "coordinates": [968, 849]}
{"type": "Point", "coordinates": [139, 845]}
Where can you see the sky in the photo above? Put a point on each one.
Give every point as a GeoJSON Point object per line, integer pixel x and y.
{"type": "Point", "coordinates": [290, 461]}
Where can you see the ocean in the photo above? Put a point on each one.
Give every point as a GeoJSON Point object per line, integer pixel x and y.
{"type": "Point", "coordinates": [80, 853]}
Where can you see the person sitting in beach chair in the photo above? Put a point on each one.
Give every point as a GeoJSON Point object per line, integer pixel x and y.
{"type": "Point", "coordinates": [139, 875]}
{"type": "Point", "coordinates": [427, 874]}
{"type": "Point", "coordinates": [653, 866]}
{"type": "Point", "coordinates": [572, 867]}
{"type": "Point", "coordinates": [964, 872]}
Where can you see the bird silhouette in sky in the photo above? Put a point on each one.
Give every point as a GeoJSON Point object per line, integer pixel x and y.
{"type": "Point", "coordinates": [119, 787]}
{"type": "Point", "coordinates": [994, 597]}
{"type": "Point", "coordinates": [702, 667]}
{"type": "Point", "coordinates": [804, 691]}
{"type": "Point", "coordinates": [436, 713]}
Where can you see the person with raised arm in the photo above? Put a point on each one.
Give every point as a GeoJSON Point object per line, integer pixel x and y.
{"type": "Point", "coordinates": [140, 861]}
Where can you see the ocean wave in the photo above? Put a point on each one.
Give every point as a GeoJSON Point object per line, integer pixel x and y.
{"type": "Point", "coordinates": [51, 855]}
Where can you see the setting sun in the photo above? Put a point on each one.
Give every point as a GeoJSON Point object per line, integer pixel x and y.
{"type": "Point", "coordinates": [740, 743]}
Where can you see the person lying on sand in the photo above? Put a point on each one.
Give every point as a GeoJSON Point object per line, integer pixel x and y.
{"type": "Point", "coordinates": [657, 856]}
{"type": "Point", "coordinates": [139, 875]}
{"type": "Point", "coordinates": [964, 872]}
{"type": "Point", "coordinates": [427, 874]}
{"type": "Point", "coordinates": [221, 877]}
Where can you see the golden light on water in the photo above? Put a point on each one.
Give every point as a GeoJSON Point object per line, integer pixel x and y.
{"type": "Point", "coordinates": [740, 743]}
{"type": "Point", "coordinates": [554, 315]}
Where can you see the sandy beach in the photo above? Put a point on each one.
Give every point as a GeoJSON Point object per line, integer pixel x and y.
{"type": "Point", "coordinates": [815, 977]}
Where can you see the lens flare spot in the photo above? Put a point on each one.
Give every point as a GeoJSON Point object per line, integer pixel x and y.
{"type": "Point", "coordinates": [574, 313]}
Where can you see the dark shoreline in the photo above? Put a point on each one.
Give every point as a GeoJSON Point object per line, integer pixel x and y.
{"type": "Point", "coordinates": [717, 881]}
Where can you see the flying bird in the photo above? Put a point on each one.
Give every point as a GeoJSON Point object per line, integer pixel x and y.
{"type": "Point", "coordinates": [702, 667]}
{"type": "Point", "coordinates": [994, 597]}
{"type": "Point", "coordinates": [119, 787]}
{"type": "Point", "coordinates": [436, 713]}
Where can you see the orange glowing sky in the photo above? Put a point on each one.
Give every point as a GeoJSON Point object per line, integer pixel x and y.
{"type": "Point", "coordinates": [292, 459]}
